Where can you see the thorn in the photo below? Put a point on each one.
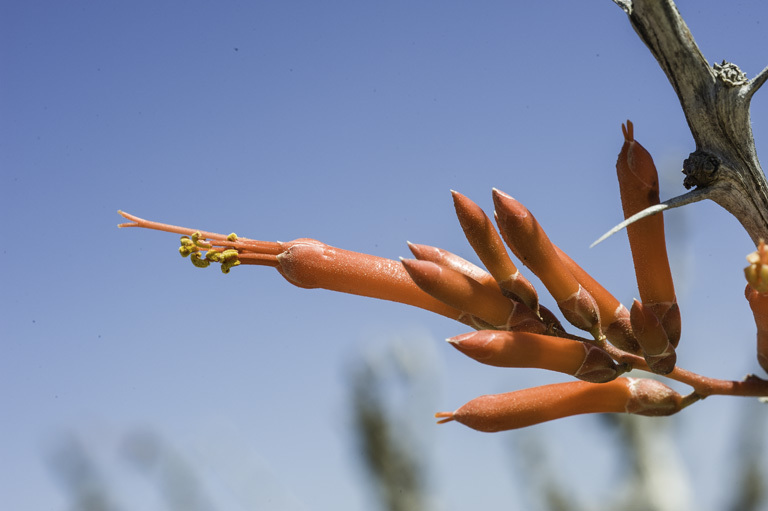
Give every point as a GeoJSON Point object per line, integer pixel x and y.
{"type": "Point", "coordinates": [675, 202]}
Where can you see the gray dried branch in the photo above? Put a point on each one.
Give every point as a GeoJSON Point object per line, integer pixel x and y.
{"type": "Point", "coordinates": [715, 100]}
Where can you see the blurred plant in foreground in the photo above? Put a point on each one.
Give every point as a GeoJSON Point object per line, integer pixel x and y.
{"type": "Point", "coordinates": [385, 387]}
{"type": "Point", "coordinates": [513, 329]}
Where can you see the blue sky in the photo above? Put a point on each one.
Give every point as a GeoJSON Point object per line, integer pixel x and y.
{"type": "Point", "coordinates": [348, 122]}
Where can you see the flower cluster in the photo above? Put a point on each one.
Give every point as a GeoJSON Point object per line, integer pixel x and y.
{"type": "Point", "coordinates": [512, 328]}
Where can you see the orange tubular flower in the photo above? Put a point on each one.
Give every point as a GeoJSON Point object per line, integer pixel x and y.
{"type": "Point", "coordinates": [513, 410]}
{"type": "Point", "coordinates": [488, 245]}
{"type": "Point", "coordinates": [757, 296]}
{"type": "Point", "coordinates": [307, 263]}
{"type": "Point", "coordinates": [523, 349]}
{"type": "Point", "coordinates": [639, 187]}
{"type": "Point", "coordinates": [530, 244]}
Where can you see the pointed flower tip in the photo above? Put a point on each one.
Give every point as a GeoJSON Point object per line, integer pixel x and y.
{"type": "Point", "coordinates": [498, 193]}
{"type": "Point", "coordinates": [470, 341]}
{"type": "Point", "coordinates": [627, 130]}
{"type": "Point", "coordinates": [507, 205]}
{"type": "Point", "coordinates": [418, 268]}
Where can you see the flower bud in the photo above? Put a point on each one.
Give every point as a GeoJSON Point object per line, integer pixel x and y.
{"type": "Point", "coordinates": [527, 240]}
{"type": "Point", "coordinates": [513, 410]}
{"type": "Point", "coordinates": [454, 262]}
{"type": "Point", "coordinates": [488, 245]}
{"type": "Point", "coordinates": [524, 349]}
{"type": "Point", "coordinates": [639, 187]}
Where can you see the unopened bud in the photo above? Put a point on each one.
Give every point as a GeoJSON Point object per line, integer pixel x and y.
{"type": "Point", "coordinates": [527, 407]}
{"type": "Point", "coordinates": [489, 247]}
{"type": "Point", "coordinates": [524, 349]}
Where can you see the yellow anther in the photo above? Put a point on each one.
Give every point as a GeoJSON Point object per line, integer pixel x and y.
{"type": "Point", "coordinates": [232, 237]}
{"type": "Point", "coordinates": [198, 260]}
{"type": "Point", "coordinates": [196, 240]}
{"type": "Point", "coordinates": [229, 255]}
{"type": "Point", "coordinates": [227, 265]}
{"type": "Point", "coordinates": [213, 255]}
{"type": "Point", "coordinates": [187, 247]}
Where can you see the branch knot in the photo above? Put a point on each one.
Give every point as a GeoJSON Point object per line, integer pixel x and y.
{"type": "Point", "coordinates": [700, 169]}
{"type": "Point", "coordinates": [730, 74]}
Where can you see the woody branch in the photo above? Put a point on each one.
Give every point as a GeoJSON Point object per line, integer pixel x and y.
{"type": "Point", "coordinates": [715, 101]}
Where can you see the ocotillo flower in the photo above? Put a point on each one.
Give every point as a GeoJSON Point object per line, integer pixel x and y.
{"type": "Point", "coordinates": [527, 407]}
{"type": "Point", "coordinates": [488, 245]}
{"type": "Point", "coordinates": [310, 263]}
{"type": "Point", "coordinates": [523, 349]}
{"type": "Point", "coordinates": [757, 295]}
{"type": "Point", "coordinates": [530, 244]}
{"type": "Point", "coordinates": [639, 187]}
